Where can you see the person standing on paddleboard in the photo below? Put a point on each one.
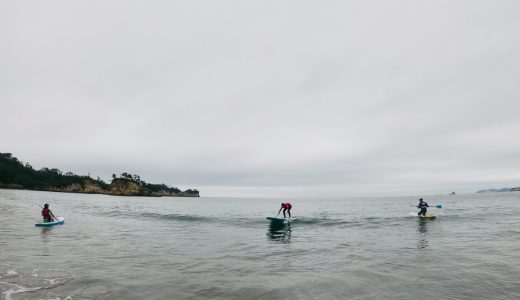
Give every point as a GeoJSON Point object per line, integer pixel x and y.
{"type": "Point", "coordinates": [422, 206]}
{"type": "Point", "coordinates": [286, 208]}
{"type": "Point", "coordinates": [47, 213]}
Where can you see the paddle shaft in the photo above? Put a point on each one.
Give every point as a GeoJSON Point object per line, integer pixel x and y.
{"type": "Point", "coordinates": [434, 206]}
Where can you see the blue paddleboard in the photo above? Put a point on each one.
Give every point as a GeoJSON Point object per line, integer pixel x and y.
{"type": "Point", "coordinates": [58, 221]}
{"type": "Point", "coordinates": [279, 219]}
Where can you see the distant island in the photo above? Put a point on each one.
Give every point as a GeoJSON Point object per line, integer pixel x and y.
{"type": "Point", "coordinates": [516, 189]}
{"type": "Point", "coordinates": [14, 174]}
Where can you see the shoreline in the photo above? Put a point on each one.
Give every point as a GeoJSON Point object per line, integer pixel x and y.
{"type": "Point", "coordinates": [158, 195]}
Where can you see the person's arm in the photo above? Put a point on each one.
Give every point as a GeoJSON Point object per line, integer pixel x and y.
{"type": "Point", "coordinates": [279, 211]}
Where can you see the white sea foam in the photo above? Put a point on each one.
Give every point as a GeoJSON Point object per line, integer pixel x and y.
{"type": "Point", "coordinates": [17, 289]}
{"type": "Point", "coordinates": [9, 289]}
{"type": "Point", "coordinates": [54, 281]}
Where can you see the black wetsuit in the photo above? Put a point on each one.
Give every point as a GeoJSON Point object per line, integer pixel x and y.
{"type": "Point", "coordinates": [422, 206]}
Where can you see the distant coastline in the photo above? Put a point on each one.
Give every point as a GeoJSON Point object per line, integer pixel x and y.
{"type": "Point", "coordinates": [516, 189]}
{"type": "Point", "coordinates": [14, 174]}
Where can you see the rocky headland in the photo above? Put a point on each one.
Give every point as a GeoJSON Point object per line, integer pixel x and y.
{"type": "Point", "coordinates": [16, 175]}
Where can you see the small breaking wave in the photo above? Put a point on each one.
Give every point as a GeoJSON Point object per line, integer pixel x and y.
{"type": "Point", "coordinates": [321, 221]}
{"type": "Point", "coordinates": [156, 216]}
{"type": "Point", "coordinates": [18, 282]}
{"type": "Point", "coordinates": [348, 221]}
{"type": "Point", "coordinates": [176, 217]}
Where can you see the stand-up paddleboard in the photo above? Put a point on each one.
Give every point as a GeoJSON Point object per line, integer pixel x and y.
{"type": "Point", "coordinates": [279, 220]}
{"type": "Point", "coordinates": [58, 221]}
{"type": "Point", "coordinates": [428, 217]}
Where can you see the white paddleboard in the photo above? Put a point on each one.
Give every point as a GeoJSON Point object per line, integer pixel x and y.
{"type": "Point", "coordinates": [428, 216]}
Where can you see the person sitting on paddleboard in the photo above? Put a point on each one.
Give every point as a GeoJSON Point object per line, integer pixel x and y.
{"type": "Point", "coordinates": [47, 214]}
{"type": "Point", "coordinates": [286, 208]}
{"type": "Point", "coordinates": [422, 206]}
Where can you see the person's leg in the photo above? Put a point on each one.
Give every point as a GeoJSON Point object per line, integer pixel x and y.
{"type": "Point", "coordinates": [289, 212]}
{"type": "Point", "coordinates": [284, 210]}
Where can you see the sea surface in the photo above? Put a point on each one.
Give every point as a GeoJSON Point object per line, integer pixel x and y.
{"type": "Point", "coordinates": [224, 248]}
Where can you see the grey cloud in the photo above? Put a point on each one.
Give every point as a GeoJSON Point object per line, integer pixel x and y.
{"type": "Point", "coordinates": [351, 97]}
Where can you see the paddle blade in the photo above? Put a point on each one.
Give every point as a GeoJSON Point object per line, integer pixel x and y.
{"type": "Point", "coordinates": [439, 206]}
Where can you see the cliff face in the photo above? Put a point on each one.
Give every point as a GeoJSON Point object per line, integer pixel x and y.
{"type": "Point", "coordinates": [161, 193]}
{"type": "Point", "coordinates": [132, 187]}
{"type": "Point", "coordinates": [89, 187]}
{"type": "Point", "coordinates": [116, 188]}
{"type": "Point", "coordinates": [188, 193]}
{"type": "Point", "coordinates": [124, 189]}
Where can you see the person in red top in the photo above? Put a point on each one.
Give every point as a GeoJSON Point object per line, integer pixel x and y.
{"type": "Point", "coordinates": [47, 214]}
{"type": "Point", "coordinates": [286, 208]}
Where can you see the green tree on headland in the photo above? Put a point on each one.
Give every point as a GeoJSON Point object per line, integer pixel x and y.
{"type": "Point", "coordinates": [15, 175]}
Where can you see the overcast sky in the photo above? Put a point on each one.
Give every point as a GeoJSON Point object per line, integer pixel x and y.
{"type": "Point", "coordinates": [267, 98]}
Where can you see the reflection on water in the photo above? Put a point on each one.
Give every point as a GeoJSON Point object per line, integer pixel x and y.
{"type": "Point", "coordinates": [279, 232]}
{"type": "Point", "coordinates": [46, 237]}
{"type": "Point", "coordinates": [422, 225]}
{"type": "Point", "coordinates": [422, 229]}
{"type": "Point", "coordinates": [46, 230]}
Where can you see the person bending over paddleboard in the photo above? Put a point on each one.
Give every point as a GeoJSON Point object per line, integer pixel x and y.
{"type": "Point", "coordinates": [286, 208]}
{"type": "Point", "coordinates": [422, 206]}
{"type": "Point", "coordinates": [47, 214]}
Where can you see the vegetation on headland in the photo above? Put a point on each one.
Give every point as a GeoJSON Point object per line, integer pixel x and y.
{"type": "Point", "coordinates": [14, 174]}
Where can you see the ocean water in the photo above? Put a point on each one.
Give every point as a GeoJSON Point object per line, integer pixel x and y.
{"type": "Point", "coordinates": [224, 248]}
